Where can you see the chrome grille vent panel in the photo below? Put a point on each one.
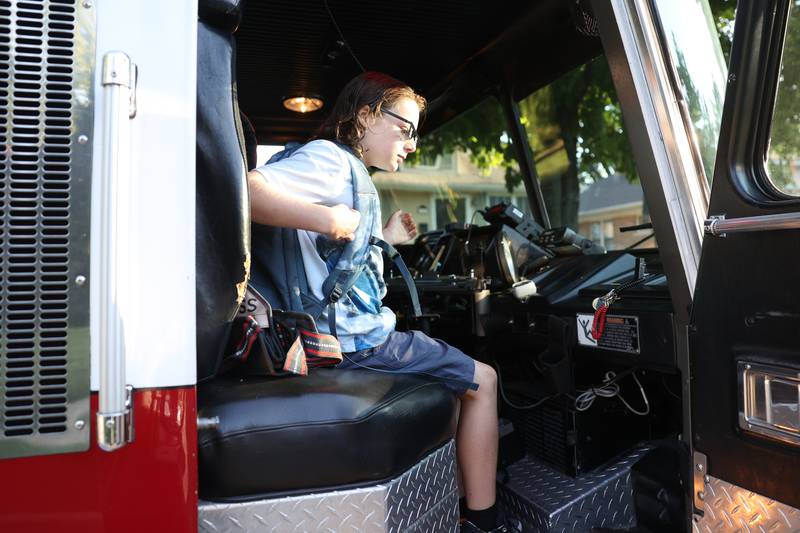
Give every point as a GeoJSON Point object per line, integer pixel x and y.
{"type": "Point", "coordinates": [44, 197]}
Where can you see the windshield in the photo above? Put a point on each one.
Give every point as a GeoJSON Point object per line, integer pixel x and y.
{"type": "Point", "coordinates": [583, 158]}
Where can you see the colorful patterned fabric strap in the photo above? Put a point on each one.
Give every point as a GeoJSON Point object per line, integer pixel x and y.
{"type": "Point", "coordinates": [320, 349]}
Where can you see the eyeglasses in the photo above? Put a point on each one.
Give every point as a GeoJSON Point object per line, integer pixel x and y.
{"type": "Point", "coordinates": [411, 133]}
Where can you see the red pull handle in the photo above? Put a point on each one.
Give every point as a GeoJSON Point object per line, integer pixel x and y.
{"type": "Point", "coordinates": [599, 322]}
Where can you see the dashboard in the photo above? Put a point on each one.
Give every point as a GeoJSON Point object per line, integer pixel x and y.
{"type": "Point", "coordinates": [501, 283]}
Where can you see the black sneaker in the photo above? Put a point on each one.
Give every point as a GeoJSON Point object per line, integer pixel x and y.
{"type": "Point", "coordinates": [508, 526]}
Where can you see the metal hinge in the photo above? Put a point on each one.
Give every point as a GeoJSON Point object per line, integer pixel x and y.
{"type": "Point", "coordinates": [115, 430]}
{"type": "Point", "coordinates": [118, 69]}
{"type": "Point", "coordinates": [700, 470]}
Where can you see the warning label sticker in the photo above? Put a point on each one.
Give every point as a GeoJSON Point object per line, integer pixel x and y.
{"type": "Point", "coordinates": [621, 333]}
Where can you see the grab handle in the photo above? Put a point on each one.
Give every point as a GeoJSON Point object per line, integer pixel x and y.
{"type": "Point", "coordinates": [719, 226]}
{"type": "Point", "coordinates": [115, 412]}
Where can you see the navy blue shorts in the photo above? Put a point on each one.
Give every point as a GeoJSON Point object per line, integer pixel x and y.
{"type": "Point", "coordinates": [413, 352]}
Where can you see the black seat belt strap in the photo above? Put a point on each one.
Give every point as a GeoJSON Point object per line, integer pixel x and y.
{"type": "Point", "coordinates": [397, 259]}
{"type": "Point", "coordinates": [332, 319]}
{"type": "Point", "coordinates": [394, 255]}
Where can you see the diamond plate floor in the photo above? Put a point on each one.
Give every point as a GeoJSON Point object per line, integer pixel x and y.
{"type": "Point", "coordinates": [729, 508]}
{"type": "Point", "coordinates": [548, 501]}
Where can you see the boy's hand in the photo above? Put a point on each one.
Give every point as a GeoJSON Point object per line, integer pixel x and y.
{"type": "Point", "coordinates": [343, 222]}
{"type": "Point", "coordinates": [400, 228]}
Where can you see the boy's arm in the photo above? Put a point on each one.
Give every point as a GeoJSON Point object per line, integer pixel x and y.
{"type": "Point", "coordinates": [273, 207]}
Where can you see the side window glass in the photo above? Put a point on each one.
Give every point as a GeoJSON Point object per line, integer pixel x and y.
{"type": "Point", "coordinates": [458, 169]}
{"type": "Point", "coordinates": [583, 158]}
{"type": "Point", "coordinates": [783, 157]}
{"type": "Point", "coordinates": [695, 32]}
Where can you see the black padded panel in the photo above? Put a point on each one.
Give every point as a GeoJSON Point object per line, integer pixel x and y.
{"type": "Point", "coordinates": [225, 15]}
{"type": "Point", "coordinates": [222, 211]}
{"type": "Point", "coordinates": [333, 428]}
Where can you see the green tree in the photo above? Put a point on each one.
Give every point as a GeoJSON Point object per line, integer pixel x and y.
{"type": "Point", "coordinates": [574, 127]}
{"type": "Point", "coordinates": [784, 150]}
{"type": "Point", "coordinates": [480, 132]}
{"type": "Point", "coordinates": [724, 12]}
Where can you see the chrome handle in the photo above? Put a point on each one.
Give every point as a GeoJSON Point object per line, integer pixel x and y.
{"type": "Point", "coordinates": [114, 415]}
{"type": "Point", "coordinates": [769, 400]}
{"type": "Point", "coordinates": [720, 226]}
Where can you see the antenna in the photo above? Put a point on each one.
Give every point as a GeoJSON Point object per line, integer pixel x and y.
{"type": "Point", "coordinates": [341, 36]}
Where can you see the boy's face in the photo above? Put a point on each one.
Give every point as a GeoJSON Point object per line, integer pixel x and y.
{"type": "Point", "coordinates": [387, 141]}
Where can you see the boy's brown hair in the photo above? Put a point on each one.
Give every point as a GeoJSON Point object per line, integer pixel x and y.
{"type": "Point", "coordinates": [372, 89]}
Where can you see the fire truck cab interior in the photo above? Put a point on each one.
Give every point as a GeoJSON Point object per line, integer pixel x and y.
{"type": "Point", "coordinates": [506, 291]}
{"type": "Point", "coordinates": [608, 210]}
{"type": "Point", "coordinates": [592, 432]}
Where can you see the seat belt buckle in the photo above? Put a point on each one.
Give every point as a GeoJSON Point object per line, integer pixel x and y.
{"type": "Point", "coordinates": [336, 294]}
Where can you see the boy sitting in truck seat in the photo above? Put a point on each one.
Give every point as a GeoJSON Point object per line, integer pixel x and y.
{"type": "Point", "coordinates": [374, 124]}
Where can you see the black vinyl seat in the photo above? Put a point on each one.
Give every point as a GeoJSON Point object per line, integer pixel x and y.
{"type": "Point", "coordinates": [332, 429]}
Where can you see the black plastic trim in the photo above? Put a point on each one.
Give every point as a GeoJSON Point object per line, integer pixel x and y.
{"type": "Point", "coordinates": [776, 40]}
{"type": "Point", "coordinates": [319, 490]}
{"type": "Point", "coordinates": [753, 79]}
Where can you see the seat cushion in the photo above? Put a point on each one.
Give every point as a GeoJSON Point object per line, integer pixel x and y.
{"type": "Point", "coordinates": [333, 428]}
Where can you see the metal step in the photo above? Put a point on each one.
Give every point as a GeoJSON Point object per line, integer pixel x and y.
{"type": "Point", "coordinates": [546, 500]}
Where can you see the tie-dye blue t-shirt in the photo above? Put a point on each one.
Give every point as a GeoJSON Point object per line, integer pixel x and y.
{"type": "Point", "coordinates": [320, 172]}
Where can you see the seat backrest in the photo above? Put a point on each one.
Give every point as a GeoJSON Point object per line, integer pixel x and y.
{"type": "Point", "coordinates": [250, 142]}
{"type": "Point", "coordinates": [222, 209]}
